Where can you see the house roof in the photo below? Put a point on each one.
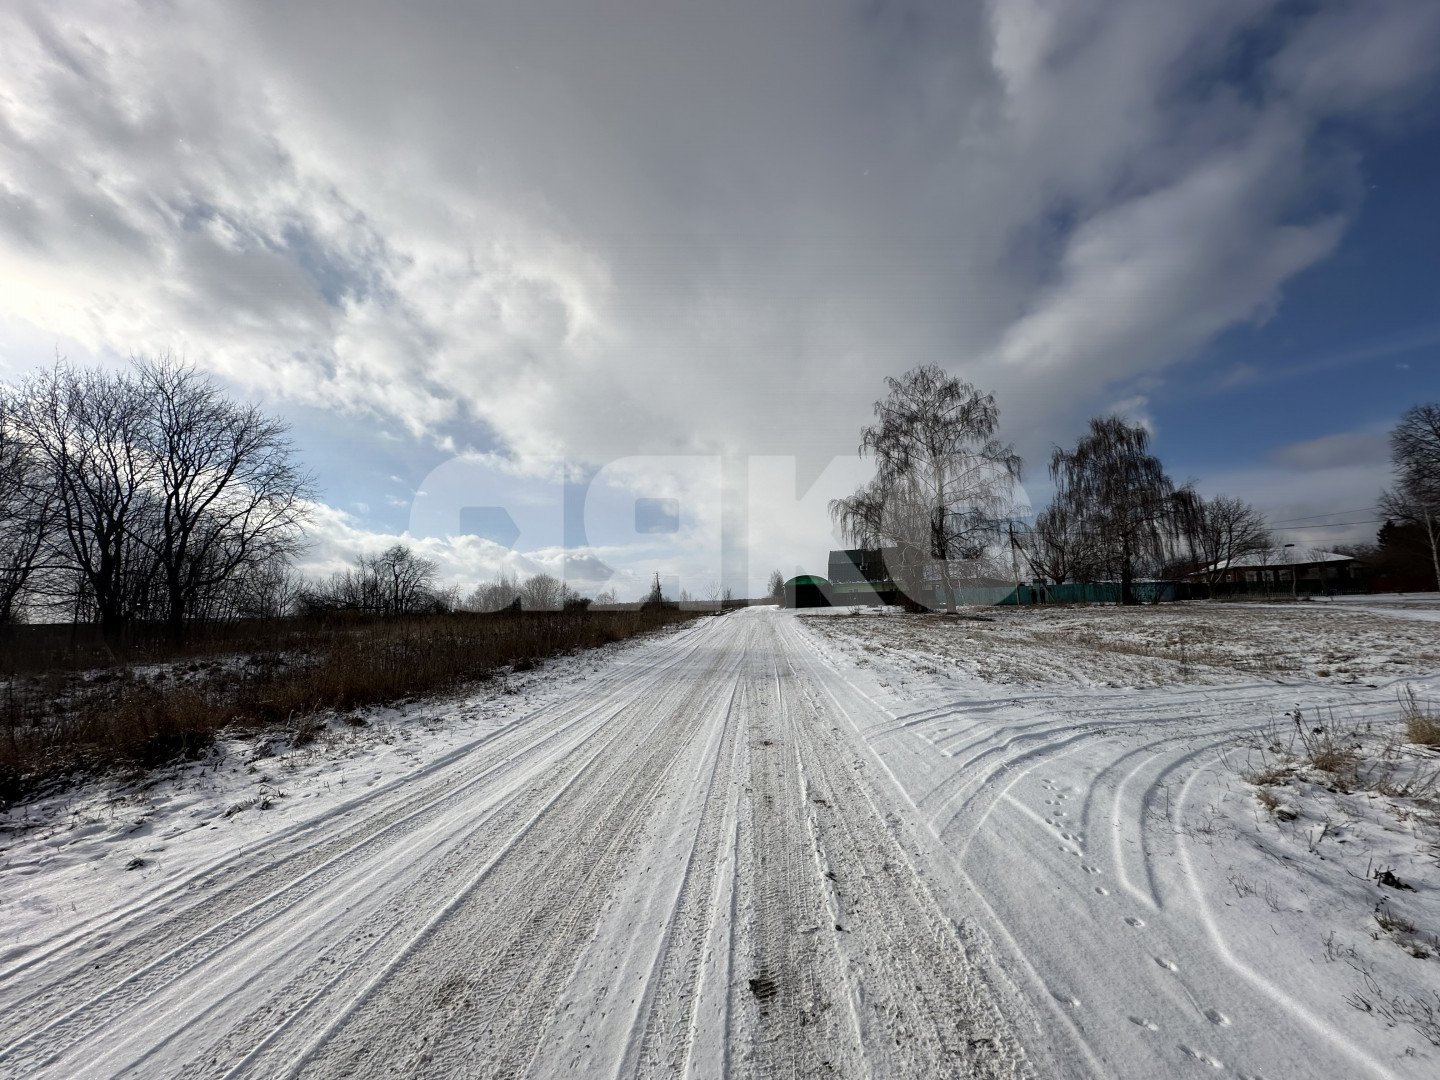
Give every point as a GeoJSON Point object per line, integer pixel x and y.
{"type": "Point", "coordinates": [1289, 555]}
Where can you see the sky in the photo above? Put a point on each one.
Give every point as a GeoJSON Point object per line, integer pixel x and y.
{"type": "Point", "coordinates": [609, 289]}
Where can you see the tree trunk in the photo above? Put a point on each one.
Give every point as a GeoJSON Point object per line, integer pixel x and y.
{"type": "Point", "coordinates": [947, 586]}
{"type": "Point", "coordinates": [112, 627]}
{"type": "Point", "coordinates": [1434, 549]}
{"type": "Point", "coordinates": [175, 609]}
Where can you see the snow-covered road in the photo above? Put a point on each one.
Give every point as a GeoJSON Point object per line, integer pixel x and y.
{"type": "Point", "coordinates": [691, 865]}
{"type": "Point", "coordinates": [1093, 818]}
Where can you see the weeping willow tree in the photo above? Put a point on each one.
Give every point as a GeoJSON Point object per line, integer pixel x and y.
{"type": "Point", "coordinates": [1118, 497]}
{"type": "Point", "coordinates": [944, 485]}
{"type": "Point", "coordinates": [1415, 498]}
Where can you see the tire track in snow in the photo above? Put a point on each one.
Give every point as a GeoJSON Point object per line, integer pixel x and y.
{"type": "Point", "coordinates": [472, 995]}
{"type": "Point", "coordinates": [372, 808]}
{"type": "Point", "coordinates": [793, 991]}
{"type": "Point", "coordinates": [105, 997]}
{"type": "Point", "coordinates": [1284, 1005]}
{"type": "Point", "coordinates": [922, 1007]}
{"type": "Point", "coordinates": [674, 997]}
{"type": "Point", "coordinates": [437, 934]}
{"type": "Point", "coordinates": [399, 918]}
{"type": "Point", "coordinates": [1129, 776]}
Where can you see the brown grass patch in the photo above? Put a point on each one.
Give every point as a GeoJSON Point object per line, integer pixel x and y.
{"type": "Point", "coordinates": [1421, 725]}
{"type": "Point", "coordinates": [61, 724]}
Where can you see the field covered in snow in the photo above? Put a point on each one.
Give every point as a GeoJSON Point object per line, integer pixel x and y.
{"type": "Point", "coordinates": [1198, 833]}
{"type": "Point", "coordinates": [1179, 840]}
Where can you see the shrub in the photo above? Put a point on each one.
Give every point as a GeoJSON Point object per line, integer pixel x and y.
{"type": "Point", "coordinates": [59, 723]}
{"type": "Point", "coordinates": [1421, 725]}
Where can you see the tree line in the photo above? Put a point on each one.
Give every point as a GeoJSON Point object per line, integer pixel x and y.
{"type": "Point", "coordinates": [944, 497]}
{"type": "Point", "coordinates": [145, 496]}
{"type": "Point", "coordinates": [142, 495]}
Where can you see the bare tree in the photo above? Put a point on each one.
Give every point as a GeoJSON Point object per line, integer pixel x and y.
{"type": "Point", "coordinates": [394, 582]}
{"type": "Point", "coordinates": [543, 592]}
{"type": "Point", "coordinates": [87, 431]}
{"type": "Point", "coordinates": [269, 590]}
{"type": "Point", "coordinates": [1056, 548]}
{"type": "Point", "coordinates": [27, 498]}
{"type": "Point", "coordinates": [1119, 497]}
{"type": "Point", "coordinates": [404, 583]}
{"type": "Point", "coordinates": [229, 492]}
{"type": "Point", "coordinates": [494, 595]}
{"type": "Point", "coordinates": [1218, 531]}
{"type": "Point", "coordinates": [943, 489]}
{"type": "Point", "coordinates": [1415, 498]}
{"type": "Point", "coordinates": [159, 491]}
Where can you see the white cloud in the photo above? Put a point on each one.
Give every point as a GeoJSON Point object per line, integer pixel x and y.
{"type": "Point", "coordinates": [1319, 491]}
{"type": "Point", "coordinates": [551, 230]}
{"type": "Point", "coordinates": [1368, 448]}
{"type": "Point", "coordinates": [337, 540]}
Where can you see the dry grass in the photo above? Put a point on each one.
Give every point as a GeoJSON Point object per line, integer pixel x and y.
{"type": "Point", "coordinates": [1268, 798]}
{"type": "Point", "coordinates": [1267, 775]}
{"type": "Point", "coordinates": [63, 724]}
{"type": "Point", "coordinates": [1392, 923]}
{"type": "Point", "coordinates": [1421, 725]}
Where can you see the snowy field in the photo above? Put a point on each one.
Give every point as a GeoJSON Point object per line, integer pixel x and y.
{"type": "Point", "coordinates": [1068, 842]}
{"type": "Point", "coordinates": [1087, 775]}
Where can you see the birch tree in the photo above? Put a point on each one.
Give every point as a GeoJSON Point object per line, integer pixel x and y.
{"type": "Point", "coordinates": [943, 486]}
{"type": "Point", "coordinates": [1415, 498]}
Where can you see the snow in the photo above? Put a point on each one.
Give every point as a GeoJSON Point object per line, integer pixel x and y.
{"type": "Point", "coordinates": [1282, 556]}
{"type": "Point", "coordinates": [1087, 788]}
{"type": "Point", "coordinates": [1019, 842]}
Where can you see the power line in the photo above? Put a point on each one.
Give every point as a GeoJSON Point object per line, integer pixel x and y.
{"type": "Point", "coordinates": [1330, 525]}
{"type": "Point", "coordinates": [1327, 513]}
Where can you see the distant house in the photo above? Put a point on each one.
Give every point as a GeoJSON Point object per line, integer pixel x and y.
{"type": "Point", "coordinates": [860, 576]}
{"type": "Point", "coordinates": [1308, 568]}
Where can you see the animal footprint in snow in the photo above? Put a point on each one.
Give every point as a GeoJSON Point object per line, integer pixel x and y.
{"type": "Point", "coordinates": [1102, 890]}
{"type": "Point", "coordinates": [1142, 1022]}
{"type": "Point", "coordinates": [1168, 965]}
{"type": "Point", "coordinates": [1215, 1016]}
{"type": "Point", "coordinates": [1089, 869]}
{"type": "Point", "coordinates": [1133, 921]}
{"type": "Point", "coordinates": [1065, 999]}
